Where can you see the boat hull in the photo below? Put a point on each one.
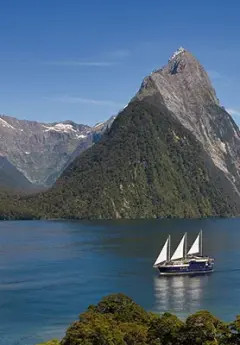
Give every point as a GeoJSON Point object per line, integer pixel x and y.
{"type": "Point", "coordinates": [185, 273]}
{"type": "Point", "coordinates": [192, 267]}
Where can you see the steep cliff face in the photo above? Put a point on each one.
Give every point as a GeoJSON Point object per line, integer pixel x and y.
{"type": "Point", "coordinates": [42, 151]}
{"type": "Point", "coordinates": [185, 89]}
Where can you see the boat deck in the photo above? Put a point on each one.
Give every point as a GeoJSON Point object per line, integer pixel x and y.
{"type": "Point", "coordinates": [186, 261]}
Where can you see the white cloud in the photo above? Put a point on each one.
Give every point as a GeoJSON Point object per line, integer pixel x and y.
{"type": "Point", "coordinates": [104, 59]}
{"type": "Point", "coordinates": [232, 111]}
{"type": "Point", "coordinates": [74, 100]}
{"type": "Point", "coordinates": [80, 63]}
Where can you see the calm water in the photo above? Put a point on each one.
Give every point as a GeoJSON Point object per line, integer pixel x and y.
{"type": "Point", "coordinates": [51, 271]}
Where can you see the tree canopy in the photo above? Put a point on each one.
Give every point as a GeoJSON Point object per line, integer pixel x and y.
{"type": "Point", "coordinates": [118, 320]}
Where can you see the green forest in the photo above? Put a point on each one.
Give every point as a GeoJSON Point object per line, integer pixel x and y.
{"type": "Point", "coordinates": [146, 166]}
{"type": "Point", "coordinates": [118, 320]}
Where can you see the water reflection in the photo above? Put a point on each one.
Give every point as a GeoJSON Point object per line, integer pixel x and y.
{"type": "Point", "coordinates": [179, 293]}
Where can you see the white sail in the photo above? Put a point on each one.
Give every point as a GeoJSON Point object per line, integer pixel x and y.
{"type": "Point", "coordinates": [179, 252]}
{"type": "Point", "coordinates": [195, 249]}
{"type": "Point", "coordinates": [163, 254]}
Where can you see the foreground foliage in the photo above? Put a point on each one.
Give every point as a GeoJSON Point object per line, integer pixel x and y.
{"type": "Point", "coordinates": [117, 320]}
{"type": "Point", "coordinates": [147, 165]}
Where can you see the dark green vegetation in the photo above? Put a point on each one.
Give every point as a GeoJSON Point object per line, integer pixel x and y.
{"type": "Point", "coordinates": [116, 319]}
{"type": "Point", "coordinates": [146, 165]}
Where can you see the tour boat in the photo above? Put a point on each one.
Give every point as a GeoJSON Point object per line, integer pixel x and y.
{"type": "Point", "coordinates": [184, 261]}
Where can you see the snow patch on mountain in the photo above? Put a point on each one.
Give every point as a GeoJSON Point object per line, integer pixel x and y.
{"type": "Point", "coordinates": [60, 127]}
{"type": "Point", "coordinates": [177, 52]}
{"type": "Point", "coordinates": [99, 124]}
{"type": "Point", "coordinates": [4, 123]}
{"type": "Point", "coordinates": [81, 136]}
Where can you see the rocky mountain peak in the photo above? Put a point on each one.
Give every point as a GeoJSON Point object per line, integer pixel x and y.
{"type": "Point", "coordinates": [183, 84]}
{"type": "Point", "coordinates": [177, 52]}
{"type": "Point", "coordinates": [182, 60]}
{"type": "Point", "coordinates": [184, 87]}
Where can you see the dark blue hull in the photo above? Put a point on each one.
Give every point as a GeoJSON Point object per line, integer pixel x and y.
{"type": "Point", "coordinates": [193, 267]}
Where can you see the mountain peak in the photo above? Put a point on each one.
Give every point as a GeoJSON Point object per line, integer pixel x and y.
{"type": "Point", "coordinates": [177, 52]}
{"type": "Point", "coordinates": [184, 87]}
{"type": "Point", "coordinates": [181, 60]}
{"type": "Point", "coordinates": [183, 78]}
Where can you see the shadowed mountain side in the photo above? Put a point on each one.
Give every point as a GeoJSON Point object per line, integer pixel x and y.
{"type": "Point", "coordinates": [12, 179]}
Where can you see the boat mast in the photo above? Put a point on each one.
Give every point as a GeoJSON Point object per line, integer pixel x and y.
{"type": "Point", "coordinates": [185, 256]}
{"type": "Point", "coordinates": [169, 247]}
{"type": "Point", "coordinates": [201, 251]}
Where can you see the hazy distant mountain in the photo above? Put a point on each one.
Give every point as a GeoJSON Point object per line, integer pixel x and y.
{"type": "Point", "coordinates": [11, 178]}
{"type": "Point", "coordinates": [173, 151]}
{"type": "Point", "coordinates": [41, 151]}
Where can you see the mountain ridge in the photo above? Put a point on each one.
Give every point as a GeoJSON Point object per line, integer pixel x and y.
{"type": "Point", "coordinates": [172, 152]}
{"type": "Point", "coordinates": [40, 151]}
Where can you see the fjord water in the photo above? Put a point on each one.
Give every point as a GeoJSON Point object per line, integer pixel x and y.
{"type": "Point", "coordinates": [50, 271]}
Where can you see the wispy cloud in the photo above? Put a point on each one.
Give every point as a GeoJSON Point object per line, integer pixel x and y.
{"type": "Point", "coordinates": [74, 100]}
{"type": "Point", "coordinates": [80, 63]}
{"type": "Point", "coordinates": [220, 79]}
{"type": "Point", "coordinates": [104, 59]}
{"type": "Point", "coordinates": [234, 112]}
{"type": "Point", "coordinates": [214, 74]}
{"type": "Point", "coordinates": [119, 53]}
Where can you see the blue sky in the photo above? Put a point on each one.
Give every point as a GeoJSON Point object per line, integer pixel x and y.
{"type": "Point", "coordinates": [84, 60]}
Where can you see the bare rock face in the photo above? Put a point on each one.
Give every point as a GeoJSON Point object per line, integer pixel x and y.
{"type": "Point", "coordinates": [185, 89]}
{"type": "Point", "coordinates": [41, 151]}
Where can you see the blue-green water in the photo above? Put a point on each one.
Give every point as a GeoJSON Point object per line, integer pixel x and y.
{"type": "Point", "coordinates": [51, 271]}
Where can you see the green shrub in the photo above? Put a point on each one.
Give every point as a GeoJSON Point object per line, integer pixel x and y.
{"type": "Point", "coordinates": [118, 320]}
